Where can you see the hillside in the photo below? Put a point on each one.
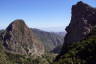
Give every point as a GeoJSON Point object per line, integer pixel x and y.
{"type": "Point", "coordinates": [12, 58]}
{"type": "Point", "coordinates": [51, 40]}
{"type": "Point", "coordinates": [18, 38]}
{"type": "Point", "coordinates": [80, 41]}
{"type": "Point", "coordinates": [82, 52]}
{"type": "Point", "coordinates": [22, 45]}
{"type": "Point", "coordinates": [16, 42]}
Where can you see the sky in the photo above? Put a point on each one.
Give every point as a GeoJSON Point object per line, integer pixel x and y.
{"type": "Point", "coordinates": [49, 15]}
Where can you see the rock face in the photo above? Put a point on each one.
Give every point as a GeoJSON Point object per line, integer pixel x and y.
{"type": "Point", "coordinates": [82, 21]}
{"type": "Point", "coordinates": [18, 38]}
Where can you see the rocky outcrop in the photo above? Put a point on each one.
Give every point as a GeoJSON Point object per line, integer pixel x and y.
{"type": "Point", "coordinates": [82, 21]}
{"type": "Point", "coordinates": [18, 38]}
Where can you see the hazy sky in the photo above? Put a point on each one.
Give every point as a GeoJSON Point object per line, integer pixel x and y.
{"type": "Point", "coordinates": [43, 14]}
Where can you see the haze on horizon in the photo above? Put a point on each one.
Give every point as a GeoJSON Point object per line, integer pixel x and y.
{"type": "Point", "coordinates": [49, 15]}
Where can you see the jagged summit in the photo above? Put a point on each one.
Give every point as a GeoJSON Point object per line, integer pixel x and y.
{"type": "Point", "coordinates": [80, 32]}
{"type": "Point", "coordinates": [82, 10]}
{"type": "Point", "coordinates": [80, 3]}
{"type": "Point", "coordinates": [83, 20]}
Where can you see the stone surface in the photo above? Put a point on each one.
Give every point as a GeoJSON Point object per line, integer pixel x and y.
{"type": "Point", "coordinates": [82, 21]}
{"type": "Point", "coordinates": [18, 38]}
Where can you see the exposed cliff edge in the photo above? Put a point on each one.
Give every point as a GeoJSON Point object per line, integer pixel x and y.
{"type": "Point", "coordinates": [18, 38]}
{"type": "Point", "coordinates": [83, 20]}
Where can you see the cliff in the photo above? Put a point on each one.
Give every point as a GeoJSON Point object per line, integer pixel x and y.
{"type": "Point", "coordinates": [18, 38]}
{"type": "Point", "coordinates": [83, 21]}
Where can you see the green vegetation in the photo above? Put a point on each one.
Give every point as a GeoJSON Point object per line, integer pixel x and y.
{"type": "Point", "coordinates": [50, 40]}
{"type": "Point", "coordinates": [9, 58]}
{"type": "Point", "coordinates": [3, 56]}
{"type": "Point", "coordinates": [83, 52]}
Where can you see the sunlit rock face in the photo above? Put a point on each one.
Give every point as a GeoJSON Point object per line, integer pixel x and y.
{"type": "Point", "coordinates": [18, 38]}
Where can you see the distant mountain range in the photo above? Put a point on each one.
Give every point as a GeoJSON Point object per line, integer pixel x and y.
{"type": "Point", "coordinates": [54, 29]}
{"type": "Point", "coordinates": [51, 40]}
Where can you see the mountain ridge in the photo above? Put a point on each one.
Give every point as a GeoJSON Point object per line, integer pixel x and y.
{"type": "Point", "coordinates": [79, 42]}
{"type": "Point", "coordinates": [49, 39]}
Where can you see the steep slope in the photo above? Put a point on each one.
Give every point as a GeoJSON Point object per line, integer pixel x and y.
{"type": "Point", "coordinates": [80, 41]}
{"type": "Point", "coordinates": [11, 58]}
{"type": "Point", "coordinates": [18, 38]}
{"type": "Point", "coordinates": [3, 56]}
{"type": "Point", "coordinates": [82, 52]}
{"type": "Point", "coordinates": [61, 33]}
{"type": "Point", "coordinates": [50, 40]}
{"type": "Point", "coordinates": [82, 21]}
{"type": "Point", "coordinates": [8, 57]}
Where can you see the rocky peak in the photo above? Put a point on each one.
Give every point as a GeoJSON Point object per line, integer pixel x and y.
{"type": "Point", "coordinates": [82, 20]}
{"type": "Point", "coordinates": [17, 25]}
{"type": "Point", "coordinates": [82, 10]}
{"type": "Point", "coordinates": [18, 38]}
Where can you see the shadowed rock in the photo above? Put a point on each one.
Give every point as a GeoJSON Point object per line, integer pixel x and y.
{"type": "Point", "coordinates": [83, 20]}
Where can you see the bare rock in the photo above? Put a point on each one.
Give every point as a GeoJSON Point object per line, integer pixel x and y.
{"type": "Point", "coordinates": [82, 21]}
{"type": "Point", "coordinates": [18, 38]}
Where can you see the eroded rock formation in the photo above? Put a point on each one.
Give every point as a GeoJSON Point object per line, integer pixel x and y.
{"type": "Point", "coordinates": [82, 21]}
{"type": "Point", "coordinates": [18, 38]}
